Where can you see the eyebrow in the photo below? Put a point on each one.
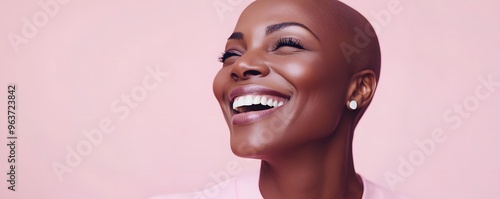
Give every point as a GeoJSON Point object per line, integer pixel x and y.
{"type": "Point", "coordinates": [273, 28]}
{"type": "Point", "coordinates": [236, 35]}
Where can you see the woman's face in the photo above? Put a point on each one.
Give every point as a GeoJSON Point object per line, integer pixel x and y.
{"type": "Point", "coordinates": [284, 80]}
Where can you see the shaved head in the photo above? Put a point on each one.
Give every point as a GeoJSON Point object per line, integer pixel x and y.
{"type": "Point", "coordinates": [341, 26]}
{"type": "Point", "coordinates": [361, 49]}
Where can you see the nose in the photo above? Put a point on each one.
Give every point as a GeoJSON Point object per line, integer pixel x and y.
{"type": "Point", "coordinates": [249, 66]}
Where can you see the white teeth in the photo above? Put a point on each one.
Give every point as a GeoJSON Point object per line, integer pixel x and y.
{"type": "Point", "coordinates": [248, 100]}
{"type": "Point", "coordinates": [239, 102]}
{"type": "Point", "coordinates": [269, 102]}
{"type": "Point", "coordinates": [263, 100]}
{"type": "Point", "coordinates": [256, 100]}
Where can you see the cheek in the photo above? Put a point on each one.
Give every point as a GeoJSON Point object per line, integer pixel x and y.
{"type": "Point", "coordinates": [310, 70]}
{"type": "Point", "coordinates": [315, 79]}
{"type": "Point", "coordinates": [320, 91]}
{"type": "Point", "coordinates": [320, 114]}
{"type": "Point", "coordinates": [218, 84]}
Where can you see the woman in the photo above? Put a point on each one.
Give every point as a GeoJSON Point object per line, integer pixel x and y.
{"type": "Point", "coordinates": [296, 78]}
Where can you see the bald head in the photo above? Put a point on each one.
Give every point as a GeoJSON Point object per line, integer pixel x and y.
{"type": "Point", "coordinates": [361, 48]}
{"type": "Point", "coordinates": [338, 25]}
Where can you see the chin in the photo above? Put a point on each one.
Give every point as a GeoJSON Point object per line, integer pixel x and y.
{"type": "Point", "coordinates": [254, 146]}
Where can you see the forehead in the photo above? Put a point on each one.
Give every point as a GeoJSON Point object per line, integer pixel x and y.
{"type": "Point", "coordinates": [315, 14]}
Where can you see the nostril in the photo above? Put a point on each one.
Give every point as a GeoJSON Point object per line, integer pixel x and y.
{"type": "Point", "coordinates": [234, 76]}
{"type": "Point", "coordinates": [251, 73]}
{"type": "Point", "coordinates": [247, 74]}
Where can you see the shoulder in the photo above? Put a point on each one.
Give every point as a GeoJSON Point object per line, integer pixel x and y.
{"type": "Point", "coordinates": [372, 190]}
{"type": "Point", "coordinates": [223, 190]}
{"type": "Point", "coordinates": [244, 186]}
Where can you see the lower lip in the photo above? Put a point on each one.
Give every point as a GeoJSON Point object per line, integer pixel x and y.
{"type": "Point", "coordinates": [252, 116]}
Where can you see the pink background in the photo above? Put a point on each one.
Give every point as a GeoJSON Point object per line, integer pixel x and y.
{"type": "Point", "coordinates": [90, 53]}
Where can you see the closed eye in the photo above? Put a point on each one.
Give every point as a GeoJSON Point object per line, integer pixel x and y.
{"type": "Point", "coordinates": [227, 54]}
{"type": "Point", "coordinates": [288, 41]}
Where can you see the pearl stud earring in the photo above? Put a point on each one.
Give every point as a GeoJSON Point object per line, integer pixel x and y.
{"type": "Point", "coordinates": [353, 105]}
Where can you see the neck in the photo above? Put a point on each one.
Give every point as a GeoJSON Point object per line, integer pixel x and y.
{"type": "Point", "coordinates": [323, 169]}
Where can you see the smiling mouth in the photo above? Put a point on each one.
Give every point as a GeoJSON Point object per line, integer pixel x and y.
{"type": "Point", "coordinates": [252, 103]}
{"type": "Point", "coordinates": [249, 103]}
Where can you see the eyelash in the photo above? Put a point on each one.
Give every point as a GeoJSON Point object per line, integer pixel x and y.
{"type": "Point", "coordinates": [284, 41]}
{"type": "Point", "coordinates": [226, 55]}
{"type": "Point", "coordinates": [288, 41]}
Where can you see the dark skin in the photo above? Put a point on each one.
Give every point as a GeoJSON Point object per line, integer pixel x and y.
{"type": "Point", "coordinates": [292, 47]}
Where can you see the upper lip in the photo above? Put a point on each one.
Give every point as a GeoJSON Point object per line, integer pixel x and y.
{"type": "Point", "coordinates": [254, 90]}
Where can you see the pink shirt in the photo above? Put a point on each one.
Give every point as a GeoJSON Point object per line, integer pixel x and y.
{"type": "Point", "coordinates": [245, 186]}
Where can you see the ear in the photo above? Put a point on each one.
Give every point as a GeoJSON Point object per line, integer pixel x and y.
{"type": "Point", "coordinates": [362, 88]}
